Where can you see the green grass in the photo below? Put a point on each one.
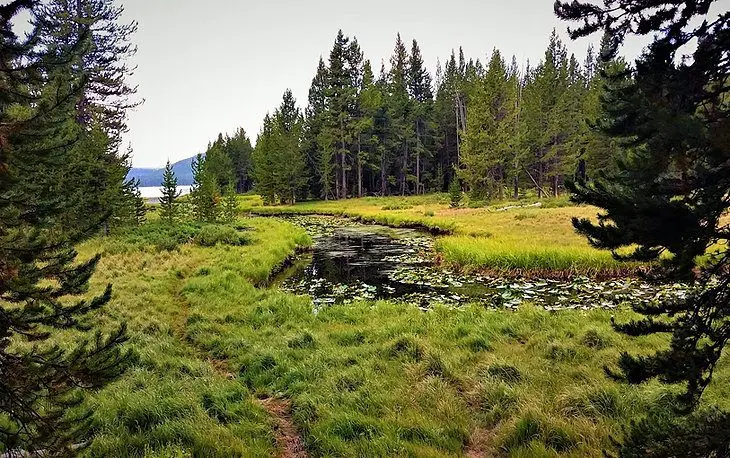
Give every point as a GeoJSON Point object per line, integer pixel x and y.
{"type": "Point", "coordinates": [522, 240]}
{"type": "Point", "coordinates": [364, 379]}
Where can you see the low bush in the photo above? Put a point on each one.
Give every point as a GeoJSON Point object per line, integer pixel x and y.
{"type": "Point", "coordinates": [213, 234]}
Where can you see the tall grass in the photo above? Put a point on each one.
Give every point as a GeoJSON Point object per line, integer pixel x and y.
{"type": "Point", "coordinates": [365, 379]}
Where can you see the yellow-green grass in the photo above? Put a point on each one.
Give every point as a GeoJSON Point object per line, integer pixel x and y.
{"type": "Point", "coordinates": [523, 240]}
{"type": "Point", "coordinates": [177, 400]}
{"type": "Point", "coordinates": [364, 379]}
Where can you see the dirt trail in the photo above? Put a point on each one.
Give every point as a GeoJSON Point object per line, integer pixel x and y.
{"type": "Point", "coordinates": [288, 441]}
{"type": "Point", "coordinates": [479, 443]}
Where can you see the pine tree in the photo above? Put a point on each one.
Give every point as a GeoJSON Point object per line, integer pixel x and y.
{"type": "Point", "coordinates": [399, 112]}
{"type": "Point", "coordinates": [229, 209]}
{"type": "Point", "coordinates": [103, 48]}
{"type": "Point", "coordinates": [489, 139]}
{"type": "Point", "coordinates": [219, 163]}
{"type": "Point", "coordinates": [39, 227]}
{"type": "Point", "coordinates": [132, 211]}
{"type": "Point", "coordinates": [421, 92]}
{"type": "Point", "coordinates": [279, 162]}
{"type": "Point", "coordinates": [341, 95]}
{"type": "Point", "coordinates": [290, 160]}
{"type": "Point", "coordinates": [168, 202]}
{"type": "Point", "coordinates": [455, 193]}
{"type": "Point", "coordinates": [315, 149]}
{"type": "Point", "coordinates": [205, 192]}
{"type": "Point", "coordinates": [669, 193]}
{"type": "Point", "coordinates": [264, 164]}
{"type": "Point", "coordinates": [370, 102]}
{"type": "Point", "coordinates": [239, 150]}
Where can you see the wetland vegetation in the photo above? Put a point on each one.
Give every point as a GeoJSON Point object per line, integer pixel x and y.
{"type": "Point", "coordinates": [568, 297]}
{"type": "Point", "coordinates": [365, 377]}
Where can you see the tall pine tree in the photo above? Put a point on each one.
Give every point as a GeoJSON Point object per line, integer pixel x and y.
{"type": "Point", "coordinates": [39, 274]}
{"type": "Point", "coordinates": [169, 201]}
{"type": "Point", "coordinates": [668, 196]}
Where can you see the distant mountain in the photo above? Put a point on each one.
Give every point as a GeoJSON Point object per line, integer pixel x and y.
{"type": "Point", "coordinates": [153, 177]}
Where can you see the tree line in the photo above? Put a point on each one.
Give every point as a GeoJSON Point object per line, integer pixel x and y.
{"type": "Point", "coordinates": [494, 127]}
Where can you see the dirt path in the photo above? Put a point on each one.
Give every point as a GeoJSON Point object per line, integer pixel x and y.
{"type": "Point", "coordinates": [479, 443]}
{"type": "Point", "coordinates": [288, 440]}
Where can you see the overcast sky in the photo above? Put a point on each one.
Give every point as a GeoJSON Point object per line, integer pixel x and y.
{"type": "Point", "coordinates": [213, 66]}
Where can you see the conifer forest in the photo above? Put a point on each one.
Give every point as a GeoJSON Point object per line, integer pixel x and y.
{"type": "Point", "coordinates": [479, 256]}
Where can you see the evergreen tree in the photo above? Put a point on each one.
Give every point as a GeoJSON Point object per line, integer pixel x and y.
{"type": "Point", "coordinates": [39, 227]}
{"type": "Point", "coordinates": [279, 162]}
{"type": "Point", "coordinates": [219, 163]}
{"type": "Point", "coordinates": [341, 94]}
{"type": "Point", "coordinates": [370, 102]}
{"type": "Point", "coordinates": [239, 150]}
{"type": "Point", "coordinates": [205, 192]}
{"type": "Point", "coordinates": [135, 209]}
{"type": "Point", "coordinates": [229, 209]}
{"type": "Point", "coordinates": [314, 146]}
{"type": "Point", "coordinates": [103, 47]}
{"type": "Point", "coordinates": [290, 160]}
{"type": "Point", "coordinates": [455, 193]}
{"type": "Point", "coordinates": [264, 164]}
{"type": "Point", "coordinates": [421, 92]}
{"type": "Point", "coordinates": [399, 112]}
{"type": "Point", "coordinates": [669, 193]}
{"type": "Point", "coordinates": [168, 202]}
{"type": "Point", "coordinates": [388, 134]}
{"type": "Point", "coordinates": [489, 139]}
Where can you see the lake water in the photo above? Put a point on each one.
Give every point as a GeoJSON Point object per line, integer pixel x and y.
{"type": "Point", "coordinates": [153, 193]}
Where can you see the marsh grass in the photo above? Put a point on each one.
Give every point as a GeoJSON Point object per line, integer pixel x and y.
{"type": "Point", "coordinates": [364, 379]}
{"type": "Point", "coordinates": [508, 237]}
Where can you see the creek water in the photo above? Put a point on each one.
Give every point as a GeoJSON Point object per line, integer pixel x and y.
{"type": "Point", "coordinates": [350, 261]}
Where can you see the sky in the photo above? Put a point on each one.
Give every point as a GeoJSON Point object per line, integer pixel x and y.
{"type": "Point", "coordinates": [214, 66]}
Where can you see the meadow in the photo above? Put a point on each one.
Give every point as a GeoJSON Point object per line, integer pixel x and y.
{"type": "Point", "coordinates": [217, 348]}
{"type": "Point", "coordinates": [524, 237]}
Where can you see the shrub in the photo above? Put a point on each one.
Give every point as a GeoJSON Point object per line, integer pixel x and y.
{"type": "Point", "coordinates": [593, 339]}
{"type": "Point", "coordinates": [455, 193]}
{"type": "Point", "coordinates": [161, 236]}
{"type": "Point", "coordinates": [524, 216]}
{"type": "Point", "coordinates": [213, 234]}
{"type": "Point", "coordinates": [397, 207]}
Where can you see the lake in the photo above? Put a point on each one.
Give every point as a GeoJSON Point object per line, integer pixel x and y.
{"type": "Point", "coordinates": [152, 194]}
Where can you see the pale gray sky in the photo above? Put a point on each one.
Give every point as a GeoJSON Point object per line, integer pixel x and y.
{"type": "Point", "coordinates": [213, 66]}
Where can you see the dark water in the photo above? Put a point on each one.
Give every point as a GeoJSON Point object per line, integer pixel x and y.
{"type": "Point", "coordinates": [352, 261]}
{"type": "Point", "coordinates": [365, 263]}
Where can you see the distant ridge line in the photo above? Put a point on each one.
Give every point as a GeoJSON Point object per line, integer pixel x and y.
{"type": "Point", "coordinates": [150, 177]}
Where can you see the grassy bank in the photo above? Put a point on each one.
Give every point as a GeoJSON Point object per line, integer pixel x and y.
{"type": "Point", "coordinates": [509, 237]}
{"type": "Point", "coordinates": [363, 379]}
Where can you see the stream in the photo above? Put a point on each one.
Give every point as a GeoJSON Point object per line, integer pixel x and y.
{"type": "Point", "coordinates": [351, 261]}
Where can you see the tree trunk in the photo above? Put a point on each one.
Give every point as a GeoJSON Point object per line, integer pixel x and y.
{"type": "Point", "coordinates": [418, 159]}
{"type": "Point", "coordinates": [539, 181]}
{"type": "Point", "coordinates": [343, 157]}
{"type": "Point", "coordinates": [516, 185]}
{"type": "Point", "coordinates": [555, 186]}
{"type": "Point", "coordinates": [359, 167]}
{"type": "Point", "coordinates": [404, 170]}
{"type": "Point", "coordinates": [500, 183]}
